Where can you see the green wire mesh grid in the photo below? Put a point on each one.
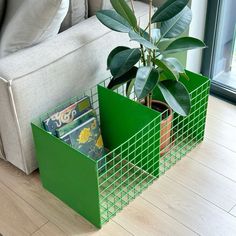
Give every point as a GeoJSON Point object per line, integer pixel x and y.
{"type": "Point", "coordinates": [144, 157]}
{"type": "Point", "coordinates": [138, 153]}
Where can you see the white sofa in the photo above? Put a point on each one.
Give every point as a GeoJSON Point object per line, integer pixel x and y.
{"type": "Point", "coordinates": [36, 79]}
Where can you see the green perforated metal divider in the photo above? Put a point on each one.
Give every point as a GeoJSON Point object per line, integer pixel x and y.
{"type": "Point", "coordinates": [140, 147]}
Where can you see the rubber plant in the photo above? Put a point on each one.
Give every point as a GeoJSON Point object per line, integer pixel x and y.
{"type": "Point", "coordinates": [157, 42]}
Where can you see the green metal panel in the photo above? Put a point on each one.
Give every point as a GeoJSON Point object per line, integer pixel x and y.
{"type": "Point", "coordinates": [132, 133]}
{"type": "Point", "coordinates": [121, 117]}
{"type": "Point", "coordinates": [195, 82]}
{"type": "Point", "coordinates": [68, 174]}
{"type": "Point", "coordinates": [199, 87]}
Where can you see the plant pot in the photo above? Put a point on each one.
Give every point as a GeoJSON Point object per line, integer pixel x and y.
{"type": "Point", "coordinates": [166, 125]}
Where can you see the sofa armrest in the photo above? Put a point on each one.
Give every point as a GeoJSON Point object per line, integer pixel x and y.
{"type": "Point", "coordinates": [36, 79]}
{"type": "Point", "coordinates": [68, 42]}
{"type": "Point", "coordinates": [96, 5]}
{"type": "Point", "coordinates": [35, 58]}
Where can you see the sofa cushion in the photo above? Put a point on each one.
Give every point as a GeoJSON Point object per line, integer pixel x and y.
{"type": "Point", "coordinates": [31, 23]}
{"type": "Point", "coordinates": [78, 11]}
{"type": "Point", "coordinates": [2, 10]}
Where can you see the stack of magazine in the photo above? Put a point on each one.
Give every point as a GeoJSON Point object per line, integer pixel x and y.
{"type": "Point", "coordinates": [77, 125]}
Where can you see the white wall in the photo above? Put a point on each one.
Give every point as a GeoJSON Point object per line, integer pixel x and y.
{"type": "Point", "coordinates": [197, 30]}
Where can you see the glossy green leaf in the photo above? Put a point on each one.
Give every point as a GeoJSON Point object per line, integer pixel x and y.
{"type": "Point", "coordinates": [123, 61]}
{"type": "Point", "coordinates": [129, 87]}
{"type": "Point", "coordinates": [113, 53]}
{"type": "Point", "coordinates": [128, 76]}
{"type": "Point", "coordinates": [176, 25]}
{"type": "Point", "coordinates": [176, 95]}
{"type": "Point", "coordinates": [145, 82]}
{"type": "Point", "coordinates": [183, 44]}
{"type": "Point", "coordinates": [123, 9]}
{"type": "Point", "coordinates": [144, 34]}
{"type": "Point", "coordinates": [142, 40]}
{"type": "Point", "coordinates": [174, 64]}
{"type": "Point", "coordinates": [168, 10]}
{"type": "Point", "coordinates": [163, 77]}
{"type": "Point", "coordinates": [164, 43]}
{"type": "Point", "coordinates": [168, 73]}
{"type": "Point", "coordinates": [113, 21]}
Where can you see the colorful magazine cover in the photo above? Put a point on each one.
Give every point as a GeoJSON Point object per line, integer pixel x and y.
{"type": "Point", "coordinates": [67, 115]}
{"type": "Point", "coordinates": [75, 123]}
{"type": "Point", "coordinates": [87, 139]}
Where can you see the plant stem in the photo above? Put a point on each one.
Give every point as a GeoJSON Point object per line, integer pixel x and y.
{"type": "Point", "coordinates": [150, 18]}
{"type": "Point", "coordinates": [132, 5]}
{"type": "Point", "coordinates": [154, 57]}
{"type": "Point", "coordinates": [133, 9]}
{"type": "Point", "coordinates": [150, 100]}
{"type": "Point", "coordinates": [150, 28]}
{"type": "Point", "coordinates": [149, 97]}
{"type": "Point", "coordinates": [146, 27]}
{"type": "Point", "coordinates": [143, 55]}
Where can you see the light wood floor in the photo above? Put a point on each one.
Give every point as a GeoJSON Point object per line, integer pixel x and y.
{"type": "Point", "coordinates": [196, 197]}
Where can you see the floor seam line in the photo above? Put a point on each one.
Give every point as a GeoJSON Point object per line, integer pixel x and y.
{"type": "Point", "coordinates": [170, 216]}
{"type": "Point", "coordinates": [209, 202]}
{"type": "Point", "coordinates": [232, 208]}
{"type": "Point", "coordinates": [39, 228]}
{"type": "Point", "coordinates": [113, 220]}
{"type": "Point", "coordinates": [213, 141]}
{"type": "Point", "coordinates": [24, 200]}
{"type": "Point", "coordinates": [206, 136]}
{"type": "Point", "coordinates": [226, 122]}
{"type": "Point", "coordinates": [206, 166]}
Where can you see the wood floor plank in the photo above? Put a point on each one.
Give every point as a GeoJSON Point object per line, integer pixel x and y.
{"type": "Point", "coordinates": [222, 110]}
{"type": "Point", "coordinates": [49, 229]}
{"type": "Point", "coordinates": [233, 211]}
{"type": "Point", "coordinates": [221, 132]}
{"type": "Point", "coordinates": [205, 182]}
{"type": "Point", "coordinates": [190, 209]}
{"type": "Point", "coordinates": [111, 228]}
{"type": "Point", "coordinates": [30, 189]}
{"type": "Point", "coordinates": [142, 218]}
{"type": "Point", "coordinates": [16, 216]}
{"type": "Point", "coordinates": [215, 156]}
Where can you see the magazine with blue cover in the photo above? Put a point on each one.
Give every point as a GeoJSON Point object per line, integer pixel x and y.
{"type": "Point", "coordinates": [75, 123]}
{"type": "Point", "coordinates": [87, 139]}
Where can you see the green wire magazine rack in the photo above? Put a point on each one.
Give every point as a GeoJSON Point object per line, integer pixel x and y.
{"type": "Point", "coordinates": [132, 134]}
